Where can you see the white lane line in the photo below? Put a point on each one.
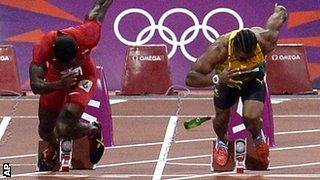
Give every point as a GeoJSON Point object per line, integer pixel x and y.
{"type": "Point", "coordinates": [4, 124]}
{"type": "Point", "coordinates": [268, 175]}
{"type": "Point", "coordinates": [298, 132]}
{"type": "Point", "coordinates": [117, 101]}
{"type": "Point", "coordinates": [127, 163]}
{"type": "Point", "coordinates": [177, 142]}
{"type": "Point", "coordinates": [152, 161]}
{"type": "Point", "coordinates": [159, 143]}
{"type": "Point", "coordinates": [189, 164]}
{"type": "Point", "coordinates": [232, 174]}
{"type": "Point", "coordinates": [22, 117]}
{"type": "Point", "coordinates": [297, 116]}
{"type": "Point", "coordinates": [26, 174]}
{"type": "Point", "coordinates": [22, 99]}
{"type": "Point", "coordinates": [22, 165]}
{"type": "Point", "coordinates": [182, 116]}
{"type": "Point", "coordinates": [278, 100]}
{"type": "Point", "coordinates": [293, 175]}
{"type": "Point", "coordinates": [17, 156]}
{"type": "Point", "coordinates": [164, 152]}
{"type": "Point", "coordinates": [204, 175]}
{"type": "Point", "coordinates": [295, 147]}
{"type": "Point", "coordinates": [296, 165]}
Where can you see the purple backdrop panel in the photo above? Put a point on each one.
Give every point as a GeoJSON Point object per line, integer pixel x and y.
{"type": "Point", "coordinates": [99, 109]}
{"type": "Point", "coordinates": [186, 27]}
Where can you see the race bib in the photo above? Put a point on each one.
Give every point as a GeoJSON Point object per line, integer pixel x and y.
{"type": "Point", "coordinates": [86, 85]}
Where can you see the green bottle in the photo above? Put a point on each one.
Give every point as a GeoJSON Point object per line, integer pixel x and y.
{"type": "Point", "coordinates": [192, 123]}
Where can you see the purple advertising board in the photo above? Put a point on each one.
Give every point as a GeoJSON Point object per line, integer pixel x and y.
{"type": "Point", "coordinates": [187, 27]}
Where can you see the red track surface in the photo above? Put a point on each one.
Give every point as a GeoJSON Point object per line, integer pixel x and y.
{"type": "Point", "coordinates": [144, 121]}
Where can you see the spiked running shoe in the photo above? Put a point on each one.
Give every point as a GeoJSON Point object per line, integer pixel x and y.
{"type": "Point", "coordinates": [48, 159]}
{"type": "Point", "coordinates": [262, 150]}
{"type": "Point", "coordinates": [96, 145]}
{"type": "Point", "coordinates": [220, 153]}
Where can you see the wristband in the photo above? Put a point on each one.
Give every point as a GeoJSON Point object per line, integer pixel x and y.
{"type": "Point", "coordinates": [215, 79]}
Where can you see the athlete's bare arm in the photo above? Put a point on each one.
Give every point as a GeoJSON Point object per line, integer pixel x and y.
{"type": "Point", "coordinates": [99, 10]}
{"type": "Point", "coordinates": [40, 86]}
{"type": "Point", "coordinates": [268, 37]}
{"type": "Point", "coordinates": [199, 75]}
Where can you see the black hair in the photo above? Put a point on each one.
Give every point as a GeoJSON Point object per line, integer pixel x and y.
{"type": "Point", "coordinates": [245, 41]}
{"type": "Point", "coordinates": [65, 48]}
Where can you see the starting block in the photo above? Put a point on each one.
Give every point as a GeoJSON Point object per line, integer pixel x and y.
{"type": "Point", "coordinates": [77, 158]}
{"type": "Point", "coordinates": [242, 156]}
{"type": "Point", "coordinates": [65, 155]}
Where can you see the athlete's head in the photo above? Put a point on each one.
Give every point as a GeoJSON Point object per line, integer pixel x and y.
{"type": "Point", "coordinates": [245, 43]}
{"type": "Point", "coordinates": [65, 48]}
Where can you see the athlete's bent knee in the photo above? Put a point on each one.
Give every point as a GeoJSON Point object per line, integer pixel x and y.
{"type": "Point", "coordinates": [67, 120]}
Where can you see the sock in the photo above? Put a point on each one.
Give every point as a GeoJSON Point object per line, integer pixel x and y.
{"type": "Point", "coordinates": [222, 144]}
{"type": "Point", "coordinates": [259, 139]}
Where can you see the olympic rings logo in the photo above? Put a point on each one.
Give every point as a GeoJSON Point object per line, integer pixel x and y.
{"type": "Point", "coordinates": [173, 40]}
